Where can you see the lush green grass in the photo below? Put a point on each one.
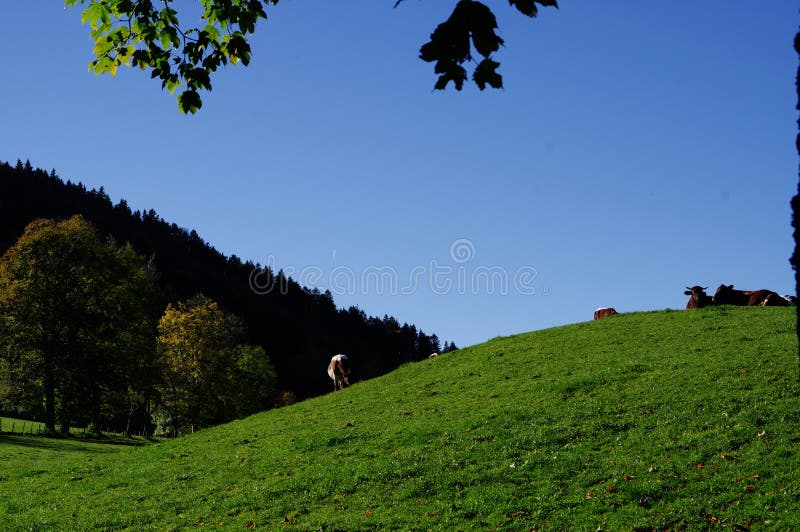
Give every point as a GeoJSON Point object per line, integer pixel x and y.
{"type": "Point", "coordinates": [640, 421]}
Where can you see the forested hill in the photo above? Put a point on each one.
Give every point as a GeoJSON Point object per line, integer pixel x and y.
{"type": "Point", "coordinates": [299, 329]}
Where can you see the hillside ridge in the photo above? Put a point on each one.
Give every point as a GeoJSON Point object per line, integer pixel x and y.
{"type": "Point", "coordinates": [655, 420]}
{"type": "Point", "coordinates": [299, 328]}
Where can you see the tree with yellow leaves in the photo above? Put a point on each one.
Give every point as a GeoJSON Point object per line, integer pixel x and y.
{"type": "Point", "coordinates": [208, 375]}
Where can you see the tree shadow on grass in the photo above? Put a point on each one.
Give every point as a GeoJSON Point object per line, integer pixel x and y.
{"type": "Point", "coordinates": [71, 444]}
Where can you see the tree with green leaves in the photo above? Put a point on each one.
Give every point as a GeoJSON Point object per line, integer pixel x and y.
{"type": "Point", "coordinates": [208, 375]}
{"type": "Point", "coordinates": [75, 326]}
{"type": "Point", "coordinates": [154, 36]}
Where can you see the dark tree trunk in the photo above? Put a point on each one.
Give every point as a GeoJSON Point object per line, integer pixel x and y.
{"type": "Point", "coordinates": [796, 215]}
{"type": "Point", "coordinates": [49, 398]}
{"type": "Point", "coordinates": [64, 413]}
{"type": "Point", "coordinates": [149, 426]}
{"type": "Point", "coordinates": [132, 408]}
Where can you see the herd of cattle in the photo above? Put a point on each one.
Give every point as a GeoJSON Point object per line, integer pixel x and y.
{"type": "Point", "coordinates": [725, 295]}
{"type": "Point", "coordinates": [339, 366]}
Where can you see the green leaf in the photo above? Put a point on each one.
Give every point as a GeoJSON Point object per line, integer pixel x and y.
{"type": "Point", "coordinates": [169, 16]}
{"type": "Point", "coordinates": [171, 83]}
{"type": "Point", "coordinates": [212, 32]}
{"type": "Point", "coordinates": [92, 14]}
{"type": "Point", "coordinates": [169, 37]}
{"type": "Point", "coordinates": [238, 48]}
{"type": "Point", "coordinates": [189, 101]}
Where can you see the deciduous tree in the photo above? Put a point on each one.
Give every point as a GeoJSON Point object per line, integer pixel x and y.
{"type": "Point", "coordinates": [74, 320]}
{"type": "Point", "coordinates": [208, 374]}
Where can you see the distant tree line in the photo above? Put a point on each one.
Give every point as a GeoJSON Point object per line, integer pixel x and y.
{"type": "Point", "coordinates": [120, 346]}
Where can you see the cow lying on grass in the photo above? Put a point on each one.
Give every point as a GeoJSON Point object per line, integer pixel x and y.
{"type": "Point", "coordinates": [726, 295]}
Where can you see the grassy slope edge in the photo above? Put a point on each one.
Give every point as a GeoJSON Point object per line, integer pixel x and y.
{"type": "Point", "coordinates": [641, 421]}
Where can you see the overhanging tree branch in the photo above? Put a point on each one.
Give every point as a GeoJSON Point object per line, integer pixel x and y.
{"type": "Point", "coordinates": [150, 35]}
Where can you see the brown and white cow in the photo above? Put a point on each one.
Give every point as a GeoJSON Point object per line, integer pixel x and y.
{"type": "Point", "coordinates": [604, 312]}
{"type": "Point", "coordinates": [339, 371]}
{"type": "Point", "coordinates": [726, 295]}
{"type": "Point", "coordinates": [775, 300]}
{"type": "Point", "coordinates": [699, 298]}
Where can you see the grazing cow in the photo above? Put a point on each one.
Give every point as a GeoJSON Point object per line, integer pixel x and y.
{"type": "Point", "coordinates": [604, 312]}
{"type": "Point", "coordinates": [433, 355]}
{"type": "Point", "coordinates": [726, 295]}
{"type": "Point", "coordinates": [792, 300]}
{"type": "Point", "coordinates": [699, 297]}
{"type": "Point", "coordinates": [339, 371]}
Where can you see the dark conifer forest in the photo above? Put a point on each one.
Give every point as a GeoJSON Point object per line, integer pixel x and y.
{"type": "Point", "coordinates": [299, 328]}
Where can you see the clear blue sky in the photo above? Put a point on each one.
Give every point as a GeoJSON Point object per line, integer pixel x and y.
{"type": "Point", "coordinates": [639, 147]}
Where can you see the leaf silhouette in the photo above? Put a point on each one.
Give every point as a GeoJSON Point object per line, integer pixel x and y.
{"type": "Point", "coordinates": [482, 24]}
{"type": "Point", "coordinates": [470, 24]}
{"type": "Point", "coordinates": [528, 7]}
{"type": "Point", "coordinates": [486, 73]}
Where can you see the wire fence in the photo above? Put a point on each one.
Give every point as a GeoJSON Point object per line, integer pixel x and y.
{"type": "Point", "coordinates": [34, 428]}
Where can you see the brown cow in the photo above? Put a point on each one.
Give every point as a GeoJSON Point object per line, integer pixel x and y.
{"type": "Point", "coordinates": [699, 297]}
{"type": "Point", "coordinates": [775, 300]}
{"type": "Point", "coordinates": [604, 312]}
{"type": "Point", "coordinates": [339, 371]}
{"type": "Point", "coordinates": [726, 295]}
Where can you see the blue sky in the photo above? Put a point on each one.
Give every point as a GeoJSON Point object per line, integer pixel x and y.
{"type": "Point", "coordinates": [638, 148]}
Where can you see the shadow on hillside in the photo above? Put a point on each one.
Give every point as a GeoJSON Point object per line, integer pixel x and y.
{"type": "Point", "coordinates": [69, 444]}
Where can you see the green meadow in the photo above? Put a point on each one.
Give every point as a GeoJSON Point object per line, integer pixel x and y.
{"type": "Point", "coordinates": [644, 421]}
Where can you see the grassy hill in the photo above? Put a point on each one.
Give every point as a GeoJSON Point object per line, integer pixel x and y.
{"type": "Point", "coordinates": [640, 421]}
